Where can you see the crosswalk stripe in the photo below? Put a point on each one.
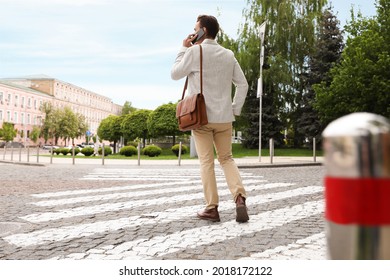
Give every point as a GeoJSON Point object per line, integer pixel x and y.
{"type": "Point", "coordinates": [73, 200]}
{"type": "Point", "coordinates": [122, 188]}
{"type": "Point", "coordinates": [309, 248]}
{"type": "Point", "coordinates": [159, 174]}
{"type": "Point", "coordinates": [69, 232]}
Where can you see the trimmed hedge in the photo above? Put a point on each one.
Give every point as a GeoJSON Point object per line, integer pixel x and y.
{"type": "Point", "coordinates": [107, 151]}
{"type": "Point", "coordinates": [152, 151]}
{"type": "Point", "coordinates": [128, 151]}
{"type": "Point", "coordinates": [175, 149]}
{"type": "Point", "coordinates": [87, 151]}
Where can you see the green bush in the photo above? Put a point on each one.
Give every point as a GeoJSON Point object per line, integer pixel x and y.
{"type": "Point", "coordinates": [152, 151]}
{"type": "Point", "coordinates": [57, 151]}
{"type": "Point", "coordinates": [65, 151]}
{"type": "Point", "coordinates": [175, 149]}
{"type": "Point", "coordinates": [87, 151]}
{"type": "Point", "coordinates": [128, 151]}
{"type": "Point", "coordinates": [76, 151]}
{"type": "Point", "coordinates": [107, 151]}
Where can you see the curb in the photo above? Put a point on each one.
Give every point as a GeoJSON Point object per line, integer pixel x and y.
{"type": "Point", "coordinates": [22, 163]}
{"type": "Point", "coordinates": [278, 165]}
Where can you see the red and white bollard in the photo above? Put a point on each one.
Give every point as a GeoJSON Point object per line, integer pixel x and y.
{"type": "Point", "coordinates": [357, 187]}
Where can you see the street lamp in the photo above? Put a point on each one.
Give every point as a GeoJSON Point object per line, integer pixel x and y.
{"type": "Point", "coordinates": [260, 80]}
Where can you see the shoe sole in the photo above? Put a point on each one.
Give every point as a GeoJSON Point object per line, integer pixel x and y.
{"type": "Point", "coordinates": [242, 214]}
{"type": "Point", "coordinates": [208, 219]}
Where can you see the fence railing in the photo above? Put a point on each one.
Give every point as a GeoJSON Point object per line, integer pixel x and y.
{"type": "Point", "coordinates": [24, 154]}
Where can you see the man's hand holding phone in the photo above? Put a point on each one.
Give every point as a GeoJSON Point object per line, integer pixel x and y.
{"type": "Point", "coordinates": [193, 38]}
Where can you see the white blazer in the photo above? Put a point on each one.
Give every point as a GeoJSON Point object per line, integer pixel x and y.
{"type": "Point", "coordinates": [220, 71]}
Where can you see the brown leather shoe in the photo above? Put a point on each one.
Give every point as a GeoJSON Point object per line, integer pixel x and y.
{"type": "Point", "coordinates": [241, 210]}
{"type": "Point", "coordinates": [209, 214]}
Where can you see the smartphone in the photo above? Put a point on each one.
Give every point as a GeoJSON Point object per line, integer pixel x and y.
{"type": "Point", "coordinates": [200, 35]}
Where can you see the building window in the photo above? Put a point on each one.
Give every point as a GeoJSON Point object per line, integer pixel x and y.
{"type": "Point", "coordinates": [1, 115]}
{"type": "Point", "coordinates": [9, 98]}
{"type": "Point", "coordinates": [22, 102]}
{"type": "Point", "coordinates": [15, 117]}
{"type": "Point", "coordinates": [29, 102]}
{"type": "Point", "coordinates": [16, 100]}
{"type": "Point", "coordinates": [8, 116]}
{"type": "Point", "coordinates": [28, 119]}
{"type": "Point", "coordinates": [35, 104]}
{"type": "Point", "coordinates": [22, 118]}
{"type": "Point", "coordinates": [1, 96]}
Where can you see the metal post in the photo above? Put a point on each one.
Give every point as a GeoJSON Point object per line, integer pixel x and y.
{"type": "Point", "coordinates": [5, 151]}
{"type": "Point", "coordinates": [271, 150]}
{"type": "Point", "coordinates": [314, 150]}
{"type": "Point", "coordinates": [260, 80]}
{"type": "Point", "coordinates": [357, 187]}
{"type": "Point", "coordinates": [38, 154]}
{"type": "Point", "coordinates": [51, 154]}
{"type": "Point", "coordinates": [103, 154]}
{"type": "Point", "coordinates": [179, 155]}
{"type": "Point", "coordinates": [139, 153]}
{"type": "Point", "coordinates": [12, 153]}
{"type": "Point", "coordinates": [20, 153]}
{"type": "Point", "coordinates": [28, 153]}
{"type": "Point", "coordinates": [73, 155]}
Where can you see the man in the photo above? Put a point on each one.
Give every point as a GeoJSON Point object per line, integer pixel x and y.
{"type": "Point", "coordinates": [220, 71]}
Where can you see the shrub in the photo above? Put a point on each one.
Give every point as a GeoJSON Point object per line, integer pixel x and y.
{"type": "Point", "coordinates": [57, 151]}
{"type": "Point", "coordinates": [107, 151]}
{"type": "Point", "coordinates": [128, 151]}
{"type": "Point", "coordinates": [87, 151]}
{"type": "Point", "coordinates": [152, 151]}
{"type": "Point", "coordinates": [76, 151]}
{"type": "Point", "coordinates": [65, 151]}
{"type": "Point", "coordinates": [175, 149]}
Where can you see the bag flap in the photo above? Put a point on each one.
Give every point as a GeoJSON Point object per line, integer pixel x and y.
{"type": "Point", "coordinates": [187, 105]}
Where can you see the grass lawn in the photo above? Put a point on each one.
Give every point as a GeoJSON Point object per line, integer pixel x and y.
{"type": "Point", "coordinates": [238, 152]}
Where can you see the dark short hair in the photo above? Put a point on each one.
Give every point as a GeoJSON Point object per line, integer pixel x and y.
{"type": "Point", "coordinates": [211, 24]}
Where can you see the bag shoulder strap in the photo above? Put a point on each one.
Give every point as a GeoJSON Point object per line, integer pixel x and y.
{"type": "Point", "coordinates": [201, 75]}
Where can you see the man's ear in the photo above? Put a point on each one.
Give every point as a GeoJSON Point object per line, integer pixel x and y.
{"type": "Point", "coordinates": [205, 31]}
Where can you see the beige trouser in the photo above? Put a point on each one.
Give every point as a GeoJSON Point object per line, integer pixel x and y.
{"type": "Point", "coordinates": [219, 134]}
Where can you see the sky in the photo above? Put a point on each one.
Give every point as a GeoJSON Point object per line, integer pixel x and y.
{"type": "Point", "coordinates": [122, 49]}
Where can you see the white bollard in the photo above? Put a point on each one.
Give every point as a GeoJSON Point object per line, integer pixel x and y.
{"type": "Point", "coordinates": [357, 187]}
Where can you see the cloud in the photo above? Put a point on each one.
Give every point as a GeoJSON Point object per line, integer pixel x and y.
{"type": "Point", "coordinates": [141, 96]}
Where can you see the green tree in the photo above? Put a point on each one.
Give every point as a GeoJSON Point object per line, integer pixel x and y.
{"type": "Point", "coordinates": [163, 122]}
{"type": "Point", "coordinates": [8, 132]}
{"type": "Point", "coordinates": [289, 39]}
{"type": "Point", "coordinates": [361, 82]}
{"type": "Point", "coordinates": [135, 125]}
{"type": "Point", "coordinates": [110, 129]}
{"type": "Point", "coordinates": [82, 125]}
{"type": "Point", "coordinates": [327, 53]}
{"type": "Point", "coordinates": [35, 134]}
{"type": "Point", "coordinates": [48, 122]}
{"type": "Point", "coordinates": [128, 108]}
{"type": "Point", "coordinates": [68, 123]}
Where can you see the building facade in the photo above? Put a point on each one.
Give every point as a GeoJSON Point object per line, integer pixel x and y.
{"type": "Point", "coordinates": [22, 98]}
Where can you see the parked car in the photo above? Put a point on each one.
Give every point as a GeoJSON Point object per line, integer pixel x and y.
{"type": "Point", "coordinates": [85, 144]}
{"type": "Point", "coordinates": [48, 147]}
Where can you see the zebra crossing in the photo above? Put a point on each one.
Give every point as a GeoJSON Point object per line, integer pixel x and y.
{"type": "Point", "coordinates": [154, 218]}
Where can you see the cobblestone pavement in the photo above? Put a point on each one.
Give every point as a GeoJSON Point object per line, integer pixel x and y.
{"type": "Point", "coordinates": [148, 212]}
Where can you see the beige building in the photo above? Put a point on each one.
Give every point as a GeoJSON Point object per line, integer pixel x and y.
{"type": "Point", "coordinates": [21, 99]}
